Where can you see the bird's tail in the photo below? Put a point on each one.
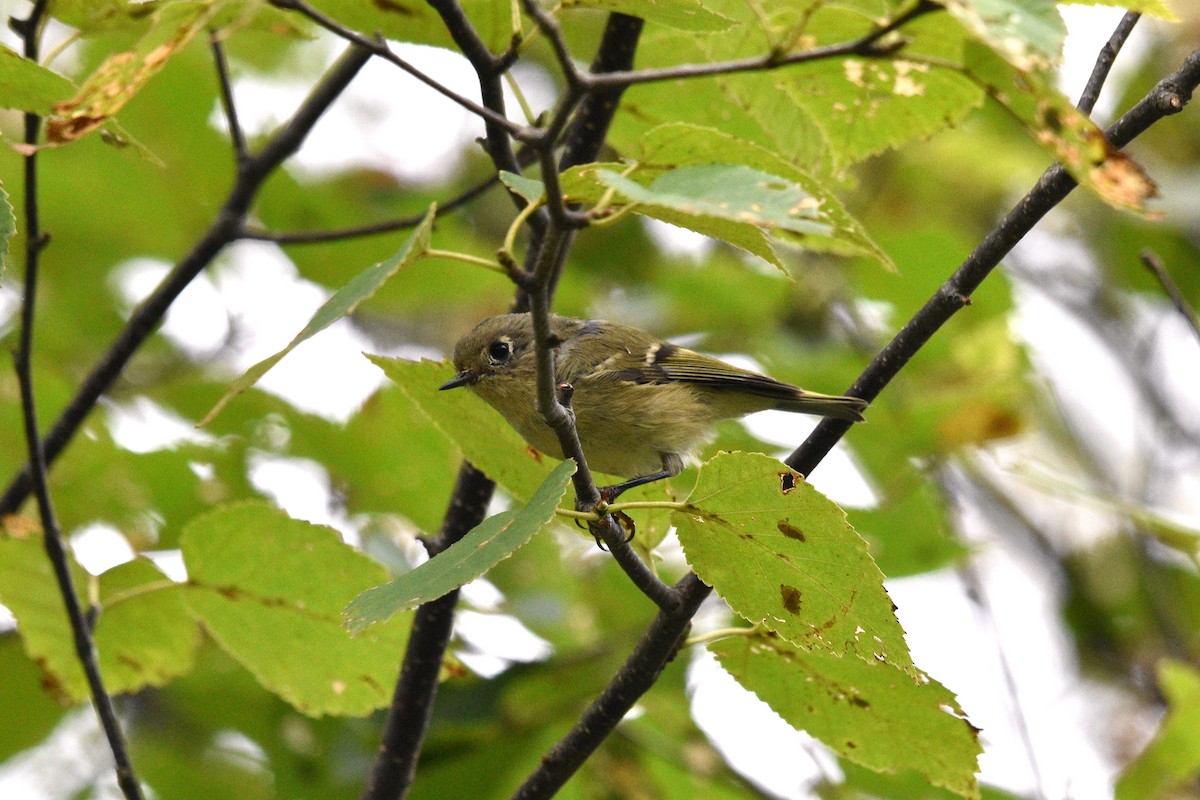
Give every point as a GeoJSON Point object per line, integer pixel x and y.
{"type": "Point", "coordinates": [824, 405]}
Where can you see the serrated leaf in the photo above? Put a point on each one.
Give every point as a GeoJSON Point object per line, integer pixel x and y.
{"type": "Point", "coordinates": [783, 556]}
{"type": "Point", "coordinates": [1172, 758]}
{"type": "Point", "coordinates": [484, 546]}
{"type": "Point", "coordinates": [678, 144]}
{"type": "Point", "coordinates": [482, 435]}
{"type": "Point", "coordinates": [530, 189]}
{"type": "Point", "coordinates": [141, 641]}
{"type": "Point", "coordinates": [29, 86]}
{"type": "Point", "coordinates": [343, 302]}
{"type": "Point", "coordinates": [872, 714]}
{"type": "Point", "coordinates": [270, 590]}
{"type": "Point", "coordinates": [1069, 134]}
{"type": "Point", "coordinates": [122, 75]}
{"type": "Point", "coordinates": [686, 15]}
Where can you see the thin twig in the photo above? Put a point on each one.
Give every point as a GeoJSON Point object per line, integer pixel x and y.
{"type": "Point", "coordinates": [1104, 62]}
{"type": "Point", "coordinates": [1154, 264]}
{"type": "Point", "coordinates": [226, 228]}
{"type": "Point", "coordinates": [30, 29]}
{"type": "Point", "coordinates": [380, 48]}
{"type": "Point", "coordinates": [488, 69]}
{"type": "Point", "coordinates": [236, 135]}
{"type": "Point", "coordinates": [867, 46]}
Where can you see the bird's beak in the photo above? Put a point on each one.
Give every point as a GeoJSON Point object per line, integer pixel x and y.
{"type": "Point", "coordinates": [464, 378]}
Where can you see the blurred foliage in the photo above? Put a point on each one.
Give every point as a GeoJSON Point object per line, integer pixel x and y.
{"type": "Point", "coordinates": [242, 683]}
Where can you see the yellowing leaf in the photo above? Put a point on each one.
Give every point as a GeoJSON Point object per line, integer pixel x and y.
{"type": "Point", "coordinates": [121, 76]}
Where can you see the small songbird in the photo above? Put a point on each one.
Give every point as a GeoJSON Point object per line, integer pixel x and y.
{"type": "Point", "coordinates": [642, 405]}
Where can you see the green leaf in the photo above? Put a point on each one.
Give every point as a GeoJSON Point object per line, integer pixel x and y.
{"type": "Point", "coordinates": [270, 590]}
{"type": "Point", "coordinates": [682, 143]}
{"type": "Point", "coordinates": [488, 543]}
{"type": "Point", "coordinates": [1172, 758]}
{"type": "Point", "coordinates": [22, 698]}
{"type": "Point", "coordinates": [1027, 33]}
{"type": "Point", "coordinates": [480, 433]}
{"type": "Point", "coordinates": [783, 555]}
{"type": "Point", "coordinates": [686, 15]}
{"type": "Point", "coordinates": [872, 714]}
{"type": "Point", "coordinates": [530, 189]}
{"type": "Point", "coordinates": [123, 75]}
{"type": "Point", "coordinates": [342, 303]}
{"type": "Point", "coordinates": [28, 86]}
{"type": "Point", "coordinates": [144, 640]}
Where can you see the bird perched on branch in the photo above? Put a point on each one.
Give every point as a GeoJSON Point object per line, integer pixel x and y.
{"type": "Point", "coordinates": [642, 405]}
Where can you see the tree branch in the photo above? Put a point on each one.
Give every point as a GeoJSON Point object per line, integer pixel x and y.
{"type": "Point", "coordinates": [654, 650]}
{"type": "Point", "coordinates": [29, 29]}
{"type": "Point", "coordinates": [412, 701]}
{"type": "Point", "coordinates": [1104, 62]}
{"type": "Point", "coordinates": [226, 228]}
{"type": "Point", "coordinates": [1168, 97]}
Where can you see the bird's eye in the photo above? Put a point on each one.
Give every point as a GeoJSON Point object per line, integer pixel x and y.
{"type": "Point", "coordinates": [499, 351]}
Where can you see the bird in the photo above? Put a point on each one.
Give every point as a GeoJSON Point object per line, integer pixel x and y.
{"type": "Point", "coordinates": [643, 406]}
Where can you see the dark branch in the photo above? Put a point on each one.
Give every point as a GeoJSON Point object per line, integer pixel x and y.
{"type": "Point", "coordinates": [489, 70]}
{"type": "Point", "coordinates": [236, 136]}
{"type": "Point", "coordinates": [1104, 62]}
{"type": "Point", "coordinates": [29, 29]}
{"type": "Point", "coordinates": [372, 229]}
{"type": "Point", "coordinates": [412, 702]}
{"type": "Point", "coordinates": [225, 228]}
{"type": "Point", "coordinates": [1154, 264]}
{"type": "Point", "coordinates": [654, 650]}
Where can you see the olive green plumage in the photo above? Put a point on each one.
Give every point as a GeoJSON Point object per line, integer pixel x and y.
{"type": "Point", "coordinates": [641, 404]}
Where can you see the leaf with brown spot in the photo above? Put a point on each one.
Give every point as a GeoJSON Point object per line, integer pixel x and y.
{"type": "Point", "coordinates": [765, 551]}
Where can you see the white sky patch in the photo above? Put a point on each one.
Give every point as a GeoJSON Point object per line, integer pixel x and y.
{"type": "Point", "coordinates": [397, 124]}
{"type": "Point", "coordinates": [269, 304]}
{"type": "Point", "coordinates": [196, 323]}
{"type": "Point", "coordinates": [496, 641]}
{"type": "Point", "coordinates": [301, 488]}
{"type": "Point", "coordinates": [752, 737]}
{"type": "Point", "coordinates": [99, 547]}
{"type": "Point", "coordinates": [142, 426]}
{"type": "Point", "coordinates": [676, 241]}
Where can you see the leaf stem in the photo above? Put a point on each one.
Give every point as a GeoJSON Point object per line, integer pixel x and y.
{"type": "Point", "coordinates": [466, 258]}
{"type": "Point", "coordinates": [720, 633]}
